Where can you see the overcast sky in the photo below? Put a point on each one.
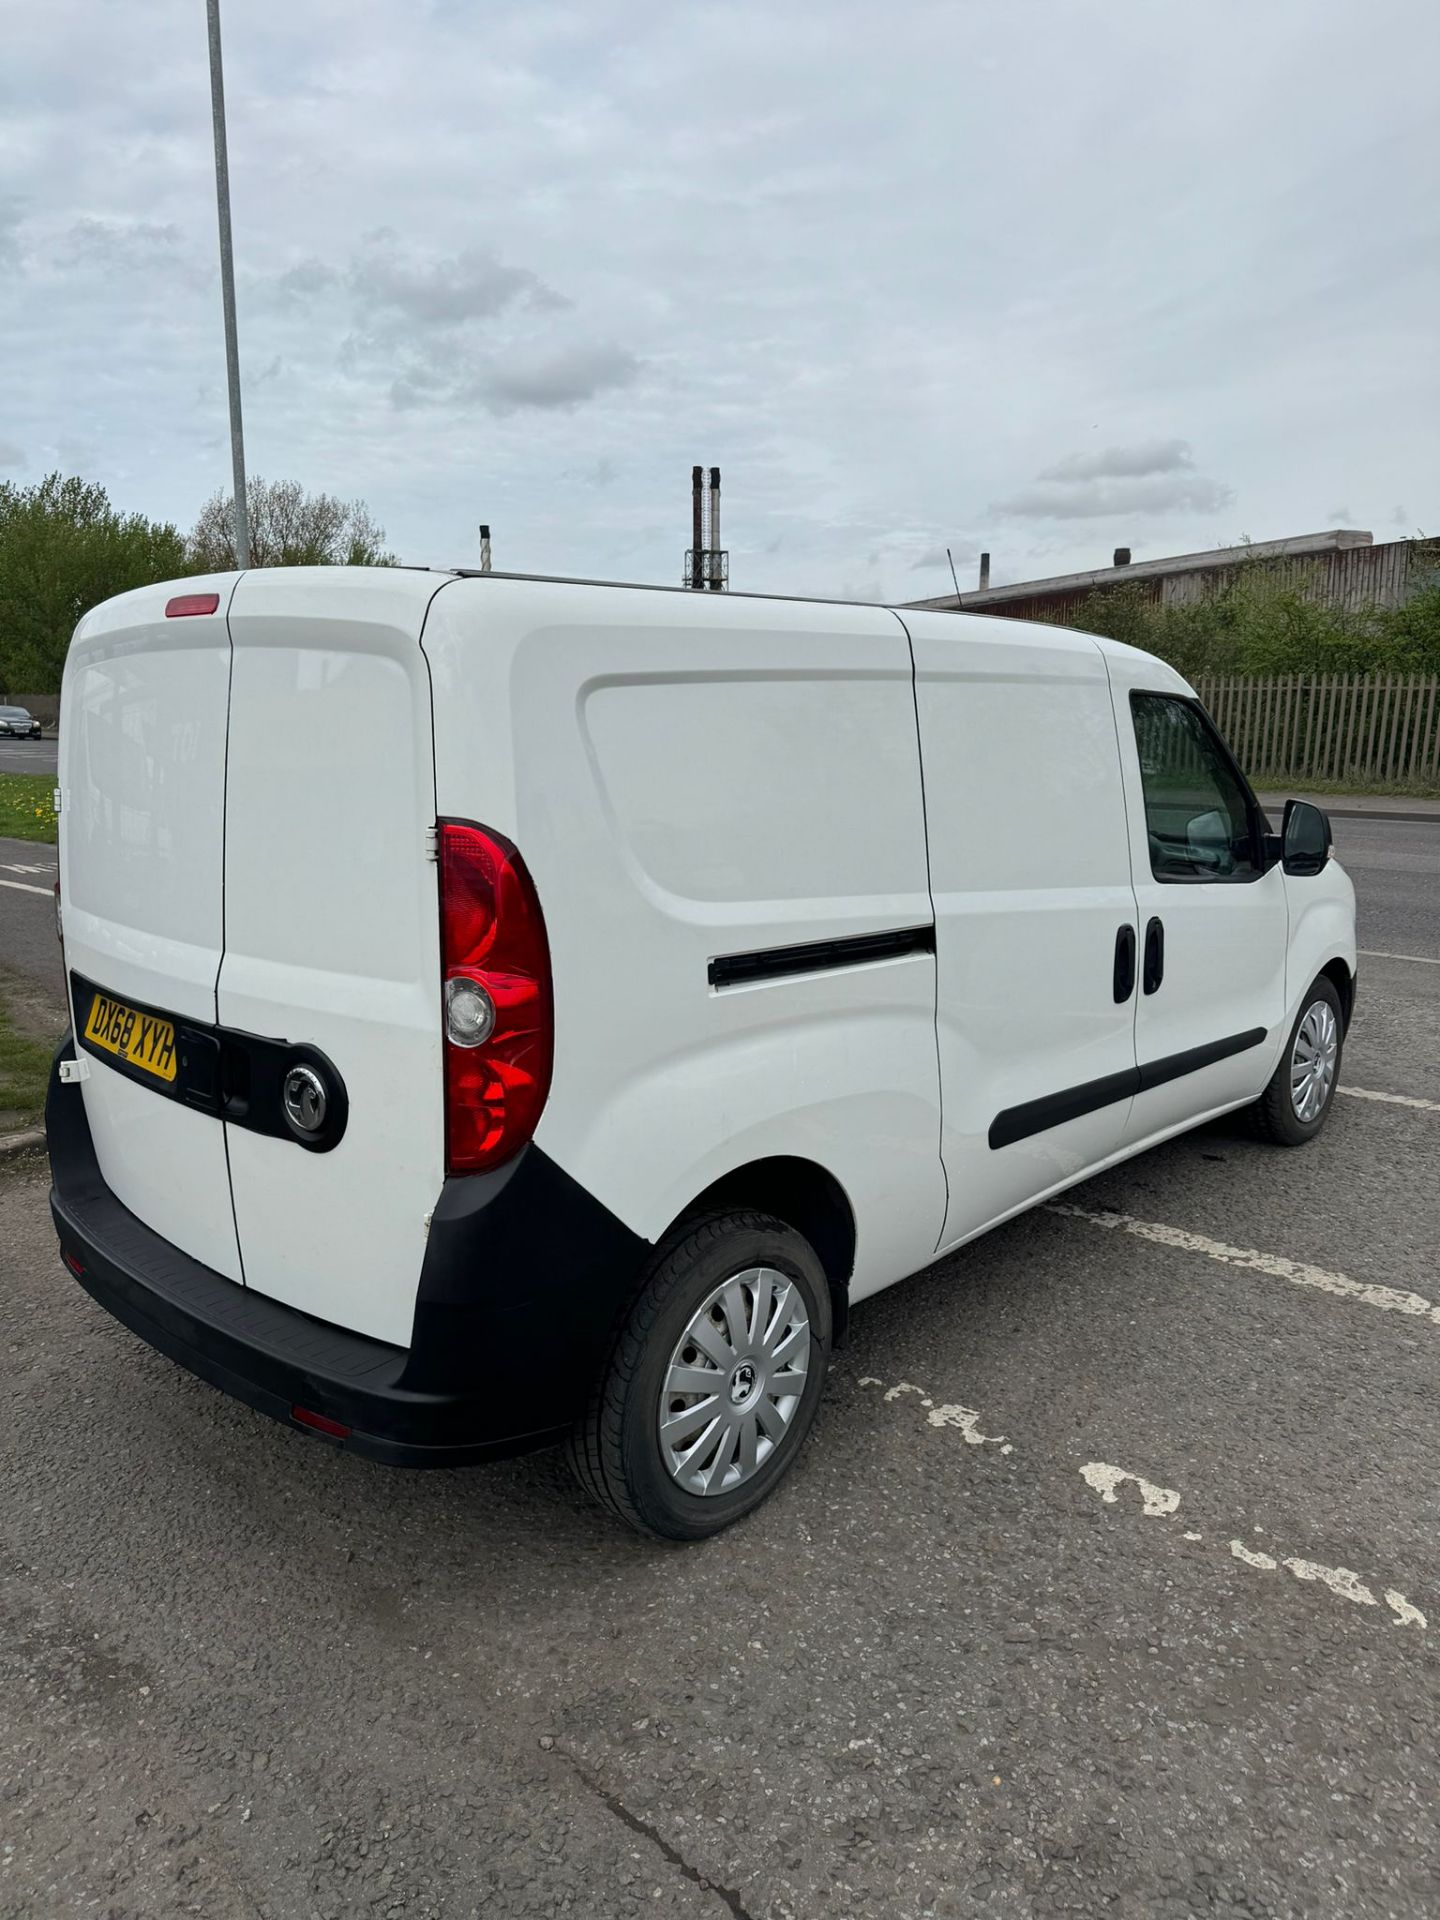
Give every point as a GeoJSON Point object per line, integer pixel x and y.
{"type": "Point", "coordinates": [1038, 276]}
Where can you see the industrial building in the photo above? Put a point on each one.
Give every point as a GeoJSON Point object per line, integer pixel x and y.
{"type": "Point", "coordinates": [1341, 568]}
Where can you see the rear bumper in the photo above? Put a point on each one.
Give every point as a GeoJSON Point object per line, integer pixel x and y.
{"type": "Point", "coordinates": [557, 1269]}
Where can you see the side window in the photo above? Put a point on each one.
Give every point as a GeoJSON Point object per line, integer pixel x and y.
{"type": "Point", "coordinates": [1197, 810]}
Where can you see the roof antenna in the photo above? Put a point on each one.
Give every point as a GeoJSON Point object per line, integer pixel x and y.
{"type": "Point", "coordinates": [949, 557]}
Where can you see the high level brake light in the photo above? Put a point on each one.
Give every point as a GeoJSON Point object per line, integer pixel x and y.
{"type": "Point", "coordinates": [499, 1017]}
{"type": "Point", "coordinates": [187, 603]}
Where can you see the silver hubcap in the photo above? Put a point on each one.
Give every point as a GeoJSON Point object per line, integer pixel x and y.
{"type": "Point", "coordinates": [735, 1381]}
{"type": "Point", "coordinates": [1312, 1065]}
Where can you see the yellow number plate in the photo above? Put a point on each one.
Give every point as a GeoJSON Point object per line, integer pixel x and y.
{"type": "Point", "coordinates": [141, 1040]}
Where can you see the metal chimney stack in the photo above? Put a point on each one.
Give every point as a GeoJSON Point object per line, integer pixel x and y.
{"type": "Point", "coordinates": [697, 533]}
{"type": "Point", "coordinates": [484, 549]}
{"type": "Point", "coordinates": [984, 571]}
{"type": "Point", "coordinates": [714, 580]}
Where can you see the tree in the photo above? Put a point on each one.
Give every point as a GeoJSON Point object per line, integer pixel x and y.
{"type": "Point", "coordinates": [288, 528]}
{"type": "Point", "coordinates": [63, 549]}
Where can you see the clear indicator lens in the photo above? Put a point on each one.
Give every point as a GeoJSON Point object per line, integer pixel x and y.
{"type": "Point", "coordinates": [469, 1013]}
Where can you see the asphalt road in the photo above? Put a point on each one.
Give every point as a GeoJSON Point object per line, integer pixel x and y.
{"type": "Point", "coordinates": [942, 1673]}
{"type": "Point", "coordinates": [29, 756]}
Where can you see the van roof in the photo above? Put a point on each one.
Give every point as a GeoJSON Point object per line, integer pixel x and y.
{"type": "Point", "coordinates": [1076, 637]}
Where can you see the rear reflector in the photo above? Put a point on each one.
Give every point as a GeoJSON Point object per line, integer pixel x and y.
{"type": "Point", "coordinates": [319, 1423]}
{"type": "Point", "coordinates": [184, 603]}
{"type": "Point", "coordinates": [75, 1266]}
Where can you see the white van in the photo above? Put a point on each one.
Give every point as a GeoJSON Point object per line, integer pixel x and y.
{"type": "Point", "coordinates": [510, 1011]}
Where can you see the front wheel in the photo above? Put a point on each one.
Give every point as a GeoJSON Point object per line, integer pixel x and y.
{"type": "Point", "coordinates": [714, 1380]}
{"type": "Point", "coordinates": [1294, 1106]}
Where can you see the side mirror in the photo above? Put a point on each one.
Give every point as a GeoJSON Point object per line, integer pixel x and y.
{"type": "Point", "coordinates": [1304, 839]}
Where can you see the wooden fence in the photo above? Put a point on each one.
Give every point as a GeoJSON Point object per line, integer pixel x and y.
{"type": "Point", "coordinates": [1292, 727]}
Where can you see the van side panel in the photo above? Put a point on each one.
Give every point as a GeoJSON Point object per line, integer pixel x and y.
{"type": "Point", "coordinates": [689, 781]}
{"type": "Point", "coordinates": [142, 780]}
{"type": "Point", "coordinates": [332, 932]}
{"type": "Point", "coordinates": [1030, 867]}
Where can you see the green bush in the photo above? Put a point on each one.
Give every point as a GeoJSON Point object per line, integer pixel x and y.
{"type": "Point", "coordinates": [1262, 621]}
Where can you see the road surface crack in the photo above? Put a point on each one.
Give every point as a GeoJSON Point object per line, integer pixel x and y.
{"type": "Point", "coordinates": [660, 1843]}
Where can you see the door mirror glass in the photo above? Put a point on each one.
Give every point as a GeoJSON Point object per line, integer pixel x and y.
{"type": "Point", "coordinates": [1305, 838]}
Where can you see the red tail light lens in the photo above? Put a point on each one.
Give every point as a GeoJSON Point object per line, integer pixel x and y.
{"type": "Point", "coordinates": [184, 604]}
{"type": "Point", "coordinates": [499, 1020]}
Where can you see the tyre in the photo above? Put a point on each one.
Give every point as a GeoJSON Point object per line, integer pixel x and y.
{"type": "Point", "coordinates": [1293, 1107]}
{"type": "Point", "coordinates": [714, 1379]}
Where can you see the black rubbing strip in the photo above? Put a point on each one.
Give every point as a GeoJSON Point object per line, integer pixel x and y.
{"type": "Point", "coordinates": [819, 956]}
{"type": "Point", "coordinates": [1037, 1116]}
{"type": "Point", "coordinates": [1176, 1065]}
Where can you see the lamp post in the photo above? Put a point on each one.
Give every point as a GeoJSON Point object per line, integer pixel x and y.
{"type": "Point", "coordinates": [227, 286]}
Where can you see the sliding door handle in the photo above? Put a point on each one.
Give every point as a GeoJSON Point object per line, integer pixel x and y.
{"type": "Point", "coordinates": [1124, 964]}
{"type": "Point", "coordinates": [1154, 955]}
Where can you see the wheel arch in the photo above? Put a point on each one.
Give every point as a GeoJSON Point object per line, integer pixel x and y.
{"type": "Point", "coordinates": [1343, 980]}
{"type": "Point", "coordinates": [805, 1196]}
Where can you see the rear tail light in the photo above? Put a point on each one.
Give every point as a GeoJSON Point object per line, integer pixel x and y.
{"type": "Point", "coordinates": [499, 1019]}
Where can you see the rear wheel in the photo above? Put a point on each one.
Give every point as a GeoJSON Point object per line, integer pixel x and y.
{"type": "Point", "coordinates": [1294, 1106]}
{"type": "Point", "coordinates": [714, 1380]}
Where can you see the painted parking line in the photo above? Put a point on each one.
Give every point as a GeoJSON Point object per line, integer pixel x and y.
{"type": "Point", "coordinates": [967, 1419]}
{"type": "Point", "coordinates": [1275, 1266]}
{"type": "Point", "coordinates": [1155, 1502]}
{"type": "Point", "coordinates": [22, 886]}
{"type": "Point", "coordinates": [1391, 1099]}
{"type": "Point", "coordinates": [1415, 959]}
{"type": "Point", "coordinates": [1162, 1503]}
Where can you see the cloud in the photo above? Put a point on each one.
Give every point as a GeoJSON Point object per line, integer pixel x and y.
{"type": "Point", "coordinates": [11, 456]}
{"type": "Point", "coordinates": [305, 279]}
{"type": "Point", "coordinates": [1340, 516]}
{"type": "Point", "coordinates": [1151, 477]}
{"type": "Point", "coordinates": [562, 379]}
{"type": "Point", "coordinates": [444, 292]}
{"type": "Point", "coordinates": [10, 217]}
{"type": "Point", "coordinates": [1124, 463]}
{"type": "Point", "coordinates": [1102, 499]}
{"type": "Point", "coordinates": [113, 244]}
{"type": "Point", "coordinates": [417, 199]}
{"type": "Point", "coordinates": [1399, 517]}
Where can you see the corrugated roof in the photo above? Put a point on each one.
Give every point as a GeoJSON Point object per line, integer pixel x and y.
{"type": "Point", "coordinates": [1333, 540]}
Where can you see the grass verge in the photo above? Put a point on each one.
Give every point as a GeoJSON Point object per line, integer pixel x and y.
{"type": "Point", "coordinates": [24, 1063]}
{"type": "Point", "coordinates": [27, 808]}
{"type": "Point", "coordinates": [1346, 789]}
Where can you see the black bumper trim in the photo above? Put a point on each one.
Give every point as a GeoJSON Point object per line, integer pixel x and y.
{"type": "Point", "coordinates": [520, 1256]}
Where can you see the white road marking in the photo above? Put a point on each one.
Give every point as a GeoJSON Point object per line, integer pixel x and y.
{"type": "Point", "coordinates": [1105, 1479]}
{"type": "Point", "coordinates": [1275, 1266]}
{"type": "Point", "coordinates": [1340, 1580]}
{"type": "Point", "coordinates": [967, 1419]}
{"type": "Point", "coordinates": [1161, 1503]}
{"type": "Point", "coordinates": [20, 886]}
{"type": "Point", "coordinates": [1391, 1099]}
{"type": "Point", "coordinates": [1405, 1614]}
{"type": "Point", "coordinates": [1415, 959]}
{"type": "Point", "coordinates": [1263, 1560]}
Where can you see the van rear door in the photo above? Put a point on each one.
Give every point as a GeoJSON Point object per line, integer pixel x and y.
{"type": "Point", "coordinates": [332, 932]}
{"type": "Point", "coordinates": [142, 821]}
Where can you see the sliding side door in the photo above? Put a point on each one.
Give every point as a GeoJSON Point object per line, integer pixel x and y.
{"type": "Point", "coordinates": [1034, 913]}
